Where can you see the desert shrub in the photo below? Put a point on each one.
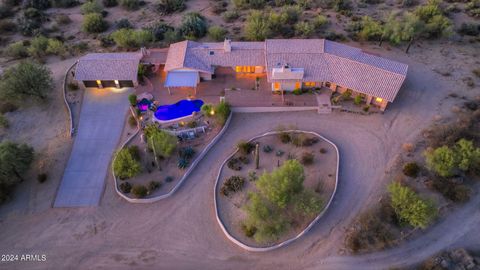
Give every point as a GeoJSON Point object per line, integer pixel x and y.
{"type": "Point", "coordinates": [37, 4]}
{"type": "Point", "coordinates": [110, 3]}
{"type": "Point", "coordinates": [132, 121]}
{"type": "Point", "coordinates": [247, 4]}
{"type": "Point", "coordinates": [130, 4]}
{"type": "Point", "coordinates": [357, 100]}
{"type": "Point", "coordinates": [469, 29]}
{"type": "Point", "coordinates": [307, 203]}
{"type": "Point", "coordinates": [342, 5]}
{"type": "Point", "coordinates": [410, 207]}
{"type": "Point", "coordinates": [7, 26]}
{"type": "Point", "coordinates": [230, 15]}
{"type": "Point", "coordinates": [169, 179]}
{"type": "Point", "coordinates": [472, 8]}
{"type": "Point", "coordinates": [476, 72]}
{"type": "Point", "coordinates": [285, 137]}
{"type": "Point", "coordinates": [243, 159]}
{"type": "Point", "coordinates": [65, 3]}
{"type": "Point", "coordinates": [219, 7]}
{"type": "Point", "coordinates": [257, 27]}
{"type": "Point", "coordinates": [320, 21]}
{"type": "Point", "coordinates": [206, 109]}
{"type": "Point", "coordinates": [217, 33]}
{"type": "Point", "coordinates": [222, 112]}
{"type": "Point", "coordinates": [267, 148]}
{"type": "Point", "coordinates": [62, 19]}
{"type": "Point", "coordinates": [245, 148]}
{"type": "Point", "coordinates": [186, 152]}
{"type": "Point", "coordinates": [307, 158]}
{"type": "Point", "coordinates": [7, 107]}
{"type": "Point", "coordinates": [38, 46]}
{"type": "Point", "coordinates": [232, 185]}
{"type": "Point", "coordinates": [125, 187]}
{"type": "Point", "coordinates": [72, 86]}
{"type": "Point", "coordinates": [125, 165]}
{"type": "Point", "coordinates": [4, 121]}
{"type": "Point", "coordinates": [159, 29]}
{"type": "Point", "coordinates": [234, 164]}
{"type": "Point", "coordinates": [369, 233]}
{"type": "Point", "coordinates": [26, 80]}
{"type": "Point", "coordinates": [91, 7]}
{"type": "Point", "coordinates": [165, 7]}
{"type": "Point", "coordinates": [193, 26]}
{"type": "Point", "coordinates": [29, 26]}
{"type": "Point", "coordinates": [154, 185]}
{"type": "Point", "coordinates": [160, 141]}
{"type": "Point", "coordinates": [55, 47]}
{"type": "Point", "coordinates": [94, 23]}
{"type": "Point", "coordinates": [451, 190]}
{"type": "Point", "coordinates": [129, 38]}
{"type": "Point", "coordinates": [411, 169]}
{"type": "Point", "coordinates": [15, 160]}
{"type": "Point", "coordinates": [182, 163]}
{"type": "Point", "coordinates": [323, 151]}
{"type": "Point", "coordinates": [123, 23]}
{"type": "Point", "coordinates": [249, 231]}
{"type": "Point", "coordinates": [139, 191]}
{"type": "Point", "coordinates": [304, 29]}
{"type": "Point", "coordinates": [17, 50]}
{"type": "Point", "coordinates": [446, 161]}
{"type": "Point", "coordinates": [252, 176]}
{"type": "Point", "coordinates": [41, 178]}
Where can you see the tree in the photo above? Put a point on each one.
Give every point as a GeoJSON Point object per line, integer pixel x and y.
{"type": "Point", "coordinates": [257, 27]}
{"type": "Point", "coordinates": [371, 29]}
{"type": "Point", "coordinates": [304, 29]}
{"type": "Point", "coordinates": [467, 155]}
{"type": "Point", "coordinates": [161, 142]}
{"type": "Point", "coordinates": [129, 38]}
{"type": "Point", "coordinates": [222, 111]}
{"type": "Point", "coordinates": [217, 33]}
{"type": "Point", "coordinates": [280, 185]}
{"type": "Point", "coordinates": [26, 79]}
{"type": "Point", "coordinates": [125, 165]}
{"type": "Point", "coordinates": [446, 161]}
{"type": "Point", "coordinates": [94, 23]}
{"type": "Point", "coordinates": [410, 207]}
{"type": "Point", "coordinates": [15, 160]}
{"type": "Point", "coordinates": [193, 26]}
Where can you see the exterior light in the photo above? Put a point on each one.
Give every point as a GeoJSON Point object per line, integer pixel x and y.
{"type": "Point", "coordinates": [212, 112]}
{"type": "Point", "coordinates": [379, 99]}
{"type": "Point", "coordinates": [116, 82]}
{"type": "Point", "coordinates": [99, 83]}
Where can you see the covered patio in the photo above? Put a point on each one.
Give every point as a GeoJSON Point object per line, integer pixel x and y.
{"type": "Point", "coordinates": [176, 79]}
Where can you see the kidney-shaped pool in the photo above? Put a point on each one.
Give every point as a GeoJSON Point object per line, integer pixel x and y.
{"type": "Point", "coordinates": [181, 109]}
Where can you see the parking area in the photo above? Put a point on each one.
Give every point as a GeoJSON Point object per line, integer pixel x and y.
{"type": "Point", "coordinates": [101, 122]}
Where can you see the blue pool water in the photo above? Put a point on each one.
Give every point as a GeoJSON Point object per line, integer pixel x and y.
{"type": "Point", "coordinates": [178, 110]}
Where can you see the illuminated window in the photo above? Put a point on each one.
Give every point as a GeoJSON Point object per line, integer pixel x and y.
{"type": "Point", "coordinates": [297, 85]}
{"type": "Point", "coordinates": [276, 86]}
{"type": "Point", "coordinates": [309, 84]}
{"type": "Point", "coordinates": [379, 100]}
{"type": "Point", "coordinates": [238, 69]}
{"type": "Point", "coordinates": [245, 69]}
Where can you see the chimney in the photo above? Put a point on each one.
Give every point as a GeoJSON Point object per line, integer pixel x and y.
{"type": "Point", "coordinates": [227, 45]}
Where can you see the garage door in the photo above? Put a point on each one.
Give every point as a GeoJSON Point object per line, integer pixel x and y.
{"type": "Point", "coordinates": [90, 84]}
{"type": "Point", "coordinates": [126, 83]}
{"type": "Point", "coordinates": [109, 84]}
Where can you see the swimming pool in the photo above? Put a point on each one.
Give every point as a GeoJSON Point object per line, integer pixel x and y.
{"type": "Point", "coordinates": [181, 109]}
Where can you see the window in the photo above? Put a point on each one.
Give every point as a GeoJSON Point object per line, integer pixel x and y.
{"type": "Point", "coordinates": [298, 85]}
{"type": "Point", "coordinates": [309, 84]}
{"type": "Point", "coordinates": [276, 86]}
{"type": "Point", "coordinates": [211, 52]}
{"type": "Point", "coordinates": [245, 69]}
{"type": "Point", "coordinates": [379, 100]}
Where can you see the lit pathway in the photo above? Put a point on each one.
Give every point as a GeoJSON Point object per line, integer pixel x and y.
{"type": "Point", "coordinates": [101, 123]}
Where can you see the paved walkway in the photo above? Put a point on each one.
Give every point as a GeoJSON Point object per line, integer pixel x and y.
{"type": "Point", "coordinates": [101, 123]}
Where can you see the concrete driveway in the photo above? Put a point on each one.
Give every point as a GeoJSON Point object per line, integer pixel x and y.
{"type": "Point", "coordinates": [101, 123]}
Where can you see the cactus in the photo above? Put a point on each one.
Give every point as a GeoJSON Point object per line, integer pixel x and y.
{"type": "Point", "coordinates": [257, 156]}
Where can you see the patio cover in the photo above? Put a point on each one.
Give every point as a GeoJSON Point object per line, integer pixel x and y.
{"type": "Point", "coordinates": [182, 79]}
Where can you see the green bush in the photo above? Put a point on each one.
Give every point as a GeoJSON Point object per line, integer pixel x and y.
{"type": "Point", "coordinates": [15, 160]}
{"type": "Point", "coordinates": [165, 7]}
{"type": "Point", "coordinates": [130, 4]}
{"type": "Point", "coordinates": [357, 100]}
{"type": "Point", "coordinates": [132, 98]}
{"type": "Point", "coordinates": [230, 15]}
{"type": "Point", "coordinates": [446, 161]}
{"type": "Point", "coordinates": [193, 26]}
{"type": "Point", "coordinates": [161, 142]}
{"type": "Point", "coordinates": [26, 80]}
{"type": "Point", "coordinates": [17, 50]}
{"type": "Point", "coordinates": [307, 203]}
{"type": "Point", "coordinates": [232, 185]}
{"type": "Point", "coordinates": [257, 27]}
{"type": "Point", "coordinates": [123, 23]}
{"type": "Point", "coordinates": [159, 29]}
{"type": "Point", "coordinates": [129, 38]}
{"type": "Point", "coordinates": [139, 191]}
{"type": "Point", "coordinates": [55, 47]}
{"type": "Point", "coordinates": [411, 169]}
{"type": "Point", "coordinates": [222, 112]}
{"type": "Point", "coordinates": [126, 165]}
{"type": "Point", "coordinates": [94, 23]}
{"type": "Point", "coordinates": [245, 148]}
{"type": "Point", "coordinates": [217, 33]}
{"type": "Point", "coordinates": [249, 4]}
{"type": "Point", "coordinates": [320, 21]}
{"type": "Point", "coordinates": [125, 187]}
{"type": "Point", "coordinates": [285, 137]}
{"type": "Point", "coordinates": [154, 185]}
{"type": "Point", "coordinates": [91, 7]}
{"type": "Point", "coordinates": [409, 207]}
{"type": "Point", "coordinates": [207, 109]}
